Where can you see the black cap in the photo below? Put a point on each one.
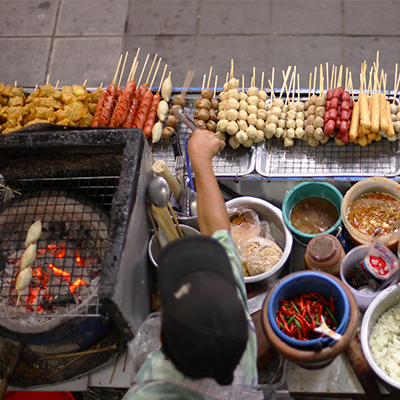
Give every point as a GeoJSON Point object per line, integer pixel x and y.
{"type": "Point", "coordinates": [204, 328]}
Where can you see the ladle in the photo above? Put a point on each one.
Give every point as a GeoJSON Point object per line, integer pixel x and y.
{"type": "Point", "coordinates": [158, 192]}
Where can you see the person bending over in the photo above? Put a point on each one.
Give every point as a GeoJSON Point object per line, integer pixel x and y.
{"type": "Point", "coordinates": [208, 342]}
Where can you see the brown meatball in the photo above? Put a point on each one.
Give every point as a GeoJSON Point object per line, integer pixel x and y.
{"type": "Point", "coordinates": [179, 100]}
{"type": "Point", "coordinates": [207, 94]}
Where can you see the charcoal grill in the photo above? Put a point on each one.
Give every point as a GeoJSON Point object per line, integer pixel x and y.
{"type": "Point", "coordinates": [88, 188]}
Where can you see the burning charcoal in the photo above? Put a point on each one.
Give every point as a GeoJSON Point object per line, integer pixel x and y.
{"type": "Point", "coordinates": [57, 301]}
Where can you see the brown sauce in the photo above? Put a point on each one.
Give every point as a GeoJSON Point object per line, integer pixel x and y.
{"type": "Point", "coordinates": [313, 215]}
{"type": "Point", "coordinates": [374, 210]}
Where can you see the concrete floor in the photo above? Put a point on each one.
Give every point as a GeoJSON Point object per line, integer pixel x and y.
{"type": "Point", "coordinates": [71, 41]}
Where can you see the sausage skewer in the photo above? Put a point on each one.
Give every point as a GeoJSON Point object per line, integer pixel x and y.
{"type": "Point", "coordinates": [151, 117]}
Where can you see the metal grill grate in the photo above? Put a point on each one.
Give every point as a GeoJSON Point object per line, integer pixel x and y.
{"type": "Point", "coordinates": [74, 214]}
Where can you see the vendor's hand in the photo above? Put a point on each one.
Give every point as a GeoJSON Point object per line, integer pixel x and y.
{"type": "Point", "coordinates": [204, 145]}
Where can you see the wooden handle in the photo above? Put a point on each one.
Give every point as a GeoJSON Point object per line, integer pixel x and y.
{"type": "Point", "coordinates": [10, 370]}
{"type": "Point", "coordinates": [362, 369]}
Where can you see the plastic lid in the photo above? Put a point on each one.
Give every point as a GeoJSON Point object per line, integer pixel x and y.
{"type": "Point", "coordinates": [323, 251]}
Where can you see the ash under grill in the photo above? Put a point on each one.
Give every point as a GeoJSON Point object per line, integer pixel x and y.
{"type": "Point", "coordinates": [70, 252]}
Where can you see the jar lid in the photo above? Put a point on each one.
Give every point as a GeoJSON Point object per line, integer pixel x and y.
{"type": "Point", "coordinates": [324, 250]}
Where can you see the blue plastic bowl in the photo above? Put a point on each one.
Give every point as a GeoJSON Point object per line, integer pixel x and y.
{"type": "Point", "coordinates": [303, 282]}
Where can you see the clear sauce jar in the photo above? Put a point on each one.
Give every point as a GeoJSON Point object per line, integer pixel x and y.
{"type": "Point", "coordinates": [324, 253]}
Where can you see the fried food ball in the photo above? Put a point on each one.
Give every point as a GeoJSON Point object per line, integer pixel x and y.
{"type": "Point", "coordinates": [207, 94]}
{"type": "Point", "coordinates": [233, 94]}
{"type": "Point", "coordinates": [242, 124]}
{"type": "Point", "coordinates": [241, 137]}
{"type": "Point", "coordinates": [204, 103]}
{"type": "Point", "coordinates": [167, 131]}
{"type": "Point", "coordinates": [253, 100]}
{"type": "Point", "coordinates": [212, 114]}
{"type": "Point", "coordinates": [200, 123]}
{"type": "Point", "coordinates": [233, 104]}
{"type": "Point", "coordinates": [251, 132]}
{"type": "Point", "coordinates": [233, 142]}
{"type": "Point", "coordinates": [202, 114]}
{"type": "Point", "coordinates": [221, 125]}
{"type": "Point", "coordinates": [232, 128]}
{"type": "Point", "coordinates": [243, 96]}
{"type": "Point", "coordinates": [252, 91]}
{"type": "Point", "coordinates": [262, 94]}
{"type": "Point", "coordinates": [214, 103]}
{"type": "Point", "coordinates": [252, 119]}
{"type": "Point", "coordinates": [211, 125]}
{"type": "Point", "coordinates": [232, 114]}
{"type": "Point", "coordinates": [179, 100]}
{"type": "Point", "coordinates": [233, 83]}
{"type": "Point", "coordinates": [242, 115]}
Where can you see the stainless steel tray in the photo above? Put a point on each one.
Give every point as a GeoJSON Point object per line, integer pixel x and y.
{"type": "Point", "coordinates": [274, 160]}
{"type": "Point", "coordinates": [327, 160]}
{"type": "Point", "coordinates": [228, 163]}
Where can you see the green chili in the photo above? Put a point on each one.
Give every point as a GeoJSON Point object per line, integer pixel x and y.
{"type": "Point", "coordinates": [332, 316]}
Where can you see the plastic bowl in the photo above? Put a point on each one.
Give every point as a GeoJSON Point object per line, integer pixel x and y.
{"type": "Point", "coordinates": [311, 189]}
{"type": "Point", "coordinates": [386, 299]}
{"type": "Point", "coordinates": [154, 246]}
{"type": "Point", "coordinates": [281, 234]}
{"type": "Point", "coordinates": [309, 358]}
{"type": "Point", "coordinates": [306, 282]}
{"type": "Point", "coordinates": [352, 257]}
{"type": "Point", "coordinates": [368, 185]}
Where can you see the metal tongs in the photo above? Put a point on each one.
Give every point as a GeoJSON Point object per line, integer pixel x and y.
{"type": "Point", "coordinates": [190, 200]}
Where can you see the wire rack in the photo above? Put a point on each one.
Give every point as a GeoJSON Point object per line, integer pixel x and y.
{"type": "Point", "coordinates": [75, 218]}
{"type": "Point", "coordinates": [271, 159]}
{"type": "Point", "coordinates": [327, 160]}
{"type": "Point", "coordinates": [228, 163]}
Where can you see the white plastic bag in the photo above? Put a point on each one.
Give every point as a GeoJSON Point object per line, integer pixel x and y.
{"type": "Point", "coordinates": [146, 340]}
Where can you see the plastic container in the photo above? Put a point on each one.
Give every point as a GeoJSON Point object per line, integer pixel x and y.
{"type": "Point", "coordinates": [368, 185]}
{"type": "Point", "coordinates": [354, 256]}
{"type": "Point", "coordinates": [324, 253]}
{"type": "Point", "coordinates": [279, 231]}
{"type": "Point", "coordinates": [309, 358]}
{"type": "Point", "coordinates": [154, 246]}
{"type": "Point", "coordinates": [306, 282]}
{"type": "Point", "coordinates": [386, 299]}
{"type": "Point", "coordinates": [311, 189]}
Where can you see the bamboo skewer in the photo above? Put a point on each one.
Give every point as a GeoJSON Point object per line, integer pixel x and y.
{"type": "Point", "coordinates": [144, 67]}
{"type": "Point", "coordinates": [123, 68]}
{"type": "Point", "coordinates": [151, 68]}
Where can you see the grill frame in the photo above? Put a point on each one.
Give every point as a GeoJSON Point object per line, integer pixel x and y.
{"type": "Point", "coordinates": [49, 151]}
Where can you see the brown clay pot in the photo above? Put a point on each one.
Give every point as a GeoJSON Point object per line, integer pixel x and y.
{"type": "Point", "coordinates": [311, 359]}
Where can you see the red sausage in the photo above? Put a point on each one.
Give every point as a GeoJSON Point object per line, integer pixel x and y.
{"type": "Point", "coordinates": [329, 127]}
{"type": "Point", "coordinates": [123, 105]}
{"type": "Point", "coordinates": [99, 108]}
{"type": "Point", "coordinates": [143, 110]}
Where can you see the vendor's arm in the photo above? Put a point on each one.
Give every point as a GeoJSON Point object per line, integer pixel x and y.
{"type": "Point", "coordinates": [212, 216]}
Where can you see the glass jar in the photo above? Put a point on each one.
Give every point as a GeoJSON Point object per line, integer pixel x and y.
{"type": "Point", "coordinates": [324, 253]}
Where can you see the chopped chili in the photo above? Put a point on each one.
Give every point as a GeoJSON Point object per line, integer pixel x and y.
{"type": "Point", "coordinates": [298, 316]}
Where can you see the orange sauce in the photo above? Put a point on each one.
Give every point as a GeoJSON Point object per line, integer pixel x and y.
{"type": "Point", "coordinates": [374, 210]}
